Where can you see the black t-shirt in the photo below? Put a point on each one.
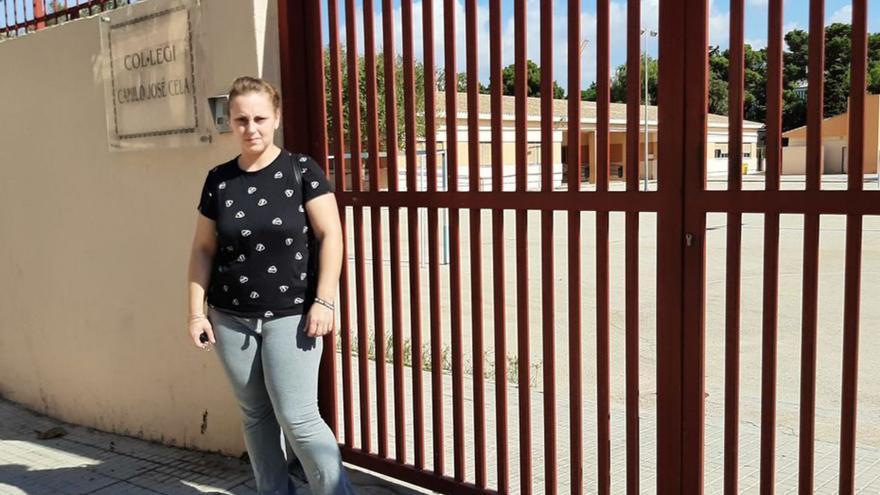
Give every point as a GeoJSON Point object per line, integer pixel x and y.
{"type": "Point", "coordinates": [263, 266]}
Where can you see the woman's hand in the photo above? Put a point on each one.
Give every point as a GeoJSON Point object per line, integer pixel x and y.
{"type": "Point", "coordinates": [199, 325]}
{"type": "Point", "coordinates": [319, 321]}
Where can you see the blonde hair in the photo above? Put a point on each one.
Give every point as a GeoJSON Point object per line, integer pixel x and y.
{"type": "Point", "coordinates": [247, 84]}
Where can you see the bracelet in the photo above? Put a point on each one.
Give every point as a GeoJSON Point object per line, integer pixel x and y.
{"type": "Point", "coordinates": [197, 317]}
{"type": "Point", "coordinates": [325, 303]}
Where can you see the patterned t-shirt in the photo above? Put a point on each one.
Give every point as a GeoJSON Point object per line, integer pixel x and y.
{"type": "Point", "coordinates": [262, 266]}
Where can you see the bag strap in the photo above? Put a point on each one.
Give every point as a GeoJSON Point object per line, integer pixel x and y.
{"type": "Point", "coordinates": [297, 173]}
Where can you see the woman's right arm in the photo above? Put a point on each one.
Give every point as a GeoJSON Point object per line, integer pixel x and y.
{"type": "Point", "coordinates": [204, 246]}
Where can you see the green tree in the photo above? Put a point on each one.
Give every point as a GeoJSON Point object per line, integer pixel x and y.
{"type": "Point", "coordinates": [419, 99]}
{"type": "Point", "coordinates": [618, 83]}
{"type": "Point", "coordinates": [837, 71]}
{"type": "Point", "coordinates": [461, 87]}
{"type": "Point", "coordinates": [719, 70]}
{"type": "Point", "coordinates": [838, 49]}
{"type": "Point", "coordinates": [755, 97]}
{"type": "Point", "coordinates": [533, 81]}
{"type": "Point", "coordinates": [795, 59]}
{"type": "Point", "coordinates": [874, 63]}
{"type": "Point", "coordinates": [754, 78]}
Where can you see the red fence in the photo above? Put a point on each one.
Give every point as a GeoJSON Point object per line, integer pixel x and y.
{"type": "Point", "coordinates": [25, 16]}
{"type": "Point", "coordinates": [681, 203]}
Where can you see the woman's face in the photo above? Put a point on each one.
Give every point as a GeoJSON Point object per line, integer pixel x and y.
{"type": "Point", "coordinates": [253, 121]}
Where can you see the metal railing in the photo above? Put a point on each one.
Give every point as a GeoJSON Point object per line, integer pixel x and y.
{"type": "Point", "coordinates": [20, 17]}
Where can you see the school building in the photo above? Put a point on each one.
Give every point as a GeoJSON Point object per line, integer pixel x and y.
{"type": "Point", "coordinates": [835, 139]}
{"type": "Point", "coordinates": [717, 137]}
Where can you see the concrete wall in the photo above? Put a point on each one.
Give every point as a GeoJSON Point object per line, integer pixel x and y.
{"type": "Point", "coordinates": [95, 244]}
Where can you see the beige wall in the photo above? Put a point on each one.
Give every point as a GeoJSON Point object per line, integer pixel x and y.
{"type": "Point", "coordinates": [872, 134]}
{"type": "Point", "coordinates": [95, 244]}
{"type": "Point", "coordinates": [794, 160]}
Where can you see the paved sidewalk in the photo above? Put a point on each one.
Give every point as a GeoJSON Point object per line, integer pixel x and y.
{"type": "Point", "coordinates": [87, 461]}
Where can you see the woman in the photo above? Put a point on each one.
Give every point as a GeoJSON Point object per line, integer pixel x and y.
{"type": "Point", "coordinates": [269, 297]}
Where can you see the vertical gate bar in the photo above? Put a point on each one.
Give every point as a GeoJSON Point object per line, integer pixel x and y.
{"type": "Point", "coordinates": [573, 157]}
{"type": "Point", "coordinates": [547, 252]}
{"type": "Point", "coordinates": [808, 351]}
{"type": "Point", "coordinates": [603, 103]}
{"type": "Point", "coordinates": [815, 99]}
{"type": "Point", "coordinates": [775, 62]}
{"type": "Point", "coordinates": [769, 331]}
{"type": "Point", "coordinates": [632, 352]}
{"type": "Point", "coordinates": [451, 72]}
{"type": "Point", "coordinates": [433, 240]}
{"type": "Point", "coordinates": [603, 386]}
{"type": "Point", "coordinates": [339, 163]}
{"type": "Point", "coordinates": [815, 94]}
{"type": "Point", "coordinates": [857, 89]}
{"type": "Point", "coordinates": [694, 283]}
{"type": "Point", "coordinates": [633, 95]}
{"type": "Point", "coordinates": [602, 350]}
{"type": "Point", "coordinates": [391, 147]}
{"type": "Point", "coordinates": [476, 240]}
{"type": "Point", "coordinates": [376, 227]}
{"type": "Point", "coordinates": [771, 249]}
{"type": "Point", "coordinates": [732, 351]}
{"type": "Point", "coordinates": [854, 238]}
{"type": "Point", "coordinates": [318, 147]}
{"type": "Point", "coordinates": [736, 80]}
{"type": "Point", "coordinates": [522, 252]}
{"type": "Point", "coordinates": [413, 237]}
{"type": "Point", "coordinates": [39, 13]}
{"type": "Point", "coordinates": [498, 249]}
{"type": "Point", "coordinates": [852, 284]}
{"type": "Point", "coordinates": [849, 388]}
{"type": "Point", "coordinates": [354, 134]}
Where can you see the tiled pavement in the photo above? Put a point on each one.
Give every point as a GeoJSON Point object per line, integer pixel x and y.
{"type": "Point", "coordinates": [86, 461]}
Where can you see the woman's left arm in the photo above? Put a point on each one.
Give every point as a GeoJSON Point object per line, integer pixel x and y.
{"type": "Point", "coordinates": [323, 214]}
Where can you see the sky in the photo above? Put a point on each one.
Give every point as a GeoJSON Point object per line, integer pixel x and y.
{"type": "Point", "coordinates": [796, 16]}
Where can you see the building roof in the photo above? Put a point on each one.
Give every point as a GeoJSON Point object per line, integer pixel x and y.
{"type": "Point", "coordinates": [589, 110]}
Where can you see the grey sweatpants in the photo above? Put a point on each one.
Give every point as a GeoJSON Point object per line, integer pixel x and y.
{"type": "Point", "coordinates": [272, 366]}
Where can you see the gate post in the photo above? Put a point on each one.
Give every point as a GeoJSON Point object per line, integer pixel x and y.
{"type": "Point", "coordinates": [696, 102]}
{"type": "Point", "coordinates": [683, 108]}
{"type": "Point", "coordinates": [305, 130]}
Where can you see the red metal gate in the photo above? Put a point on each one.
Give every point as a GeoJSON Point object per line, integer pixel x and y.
{"type": "Point", "coordinates": [681, 202]}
